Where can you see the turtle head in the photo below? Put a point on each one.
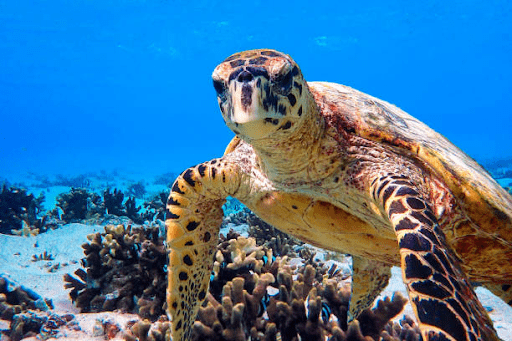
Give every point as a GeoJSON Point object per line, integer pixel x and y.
{"type": "Point", "coordinates": [261, 93]}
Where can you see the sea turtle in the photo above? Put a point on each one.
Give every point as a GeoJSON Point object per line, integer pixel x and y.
{"type": "Point", "coordinates": [348, 172]}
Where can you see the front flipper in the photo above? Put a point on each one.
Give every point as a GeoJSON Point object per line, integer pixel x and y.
{"type": "Point", "coordinates": [194, 216]}
{"type": "Point", "coordinates": [369, 278]}
{"type": "Point", "coordinates": [439, 291]}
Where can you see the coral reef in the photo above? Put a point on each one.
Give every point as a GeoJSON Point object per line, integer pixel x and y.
{"type": "Point", "coordinates": [76, 205]}
{"type": "Point", "coordinates": [43, 256]}
{"type": "Point", "coordinates": [253, 294]}
{"type": "Point", "coordinates": [281, 243]}
{"type": "Point", "coordinates": [137, 190]}
{"type": "Point", "coordinates": [78, 181]}
{"type": "Point", "coordinates": [15, 299]}
{"type": "Point", "coordinates": [17, 208]}
{"type": "Point", "coordinates": [26, 311]}
{"type": "Point", "coordinates": [155, 209]}
{"type": "Point", "coordinates": [146, 331]}
{"type": "Point", "coordinates": [132, 210]}
{"type": "Point", "coordinates": [165, 179]}
{"type": "Point", "coordinates": [125, 270]}
{"type": "Point", "coordinates": [300, 308]}
{"type": "Point", "coordinates": [79, 204]}
{"type": "Point", "coordinates": [113, 202]}
{"type": "Point", "coordinates": [232, 205]}
{"type": "Point", "coordinates": [44, 325]}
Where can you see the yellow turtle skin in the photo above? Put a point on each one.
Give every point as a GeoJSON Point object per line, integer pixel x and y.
{"type": "Point", "coordinates": [347, 172]}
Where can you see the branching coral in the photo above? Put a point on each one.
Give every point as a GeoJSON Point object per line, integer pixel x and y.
{"type": "Point", "coordinates": [19, 209]}
{"type": "Point", "coordinates": [252, 294]}
{"type": "Point", "coordinates": [125, 271]}
{"type": "Point", "coordinates": [155, 209]}
{"type": "Point", "coordinates": [265, 234]}
{"type": "Point", "coordinates": [18, 305]}
{"type": "Point", "coordinates": [113, 202]}
{"type": "Point", "coordinates": [132, 210]}
{"type": "Point", "coordinates": [146, 331]}
{"type": "Point", "coordinates": [77, 204]}
{"type": "Point", "coordinates": [137, 190]}
{"type": "Point", "coordinates": [302, 309]}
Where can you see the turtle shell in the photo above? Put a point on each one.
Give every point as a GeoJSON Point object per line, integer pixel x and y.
{"type": "Point", "coordinates": [483, 200]}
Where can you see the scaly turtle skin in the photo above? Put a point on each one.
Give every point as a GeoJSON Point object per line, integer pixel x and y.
{"type": "Point", "coordinates": [347, 172]}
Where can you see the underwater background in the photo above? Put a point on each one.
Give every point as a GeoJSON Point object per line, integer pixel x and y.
{"type": "Point", "coordinates": [103, 103]}
{"type": "Point", "coordinates": [90, 86]}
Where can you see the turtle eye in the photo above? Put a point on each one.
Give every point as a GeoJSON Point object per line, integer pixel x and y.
{"type": "Point", "coordinates": [219, 87]}
{"type": "Point", "coordinates": [283, 83]}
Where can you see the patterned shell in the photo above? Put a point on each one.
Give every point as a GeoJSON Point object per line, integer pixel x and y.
{"type": "Point", "coordinates": [484, 201]}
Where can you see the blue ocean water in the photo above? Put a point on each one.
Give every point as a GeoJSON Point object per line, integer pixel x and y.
{"type": "Point", "coordinates": [99, 85]}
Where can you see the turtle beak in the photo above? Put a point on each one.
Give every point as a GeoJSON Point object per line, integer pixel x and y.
{"type": "Point", "coordinates": [245, 99]}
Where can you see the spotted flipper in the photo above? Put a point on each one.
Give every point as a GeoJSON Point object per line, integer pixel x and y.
{"type": "Point", "coordinates": [440, 293]}
{"type": "Point", "coordinates": [194, 216]}
{"type": "Point", "coordinates": [369, 278]}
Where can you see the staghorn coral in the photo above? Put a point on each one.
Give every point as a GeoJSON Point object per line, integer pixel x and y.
{"type": "Point", "coordinates": [125, 271]}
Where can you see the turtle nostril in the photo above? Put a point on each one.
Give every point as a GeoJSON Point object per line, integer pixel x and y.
{"type": "Point", "coordinates": [245, 76]}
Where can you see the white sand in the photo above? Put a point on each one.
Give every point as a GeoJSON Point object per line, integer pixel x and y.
{"type": "Point", "coordinates": [64, 245]}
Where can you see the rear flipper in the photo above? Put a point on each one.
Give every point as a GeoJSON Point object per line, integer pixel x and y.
{"type": "Point", "coordinates": [439, 291]}
{"type": "Point", "coordinates": [194, 216]}
{"type": "Point", "coordinates": [369, 278]}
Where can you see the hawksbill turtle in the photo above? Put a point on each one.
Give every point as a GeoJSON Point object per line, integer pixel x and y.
{"type": "Point", "coordinates": [347, 172]}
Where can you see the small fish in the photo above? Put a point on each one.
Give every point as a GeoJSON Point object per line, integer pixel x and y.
{"type": "Point", "coordinates": [265, 300]}
{"type": "Point", "coordinates": [265, 260]}
{"type": "Point", "coordinates": [325, 313]}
